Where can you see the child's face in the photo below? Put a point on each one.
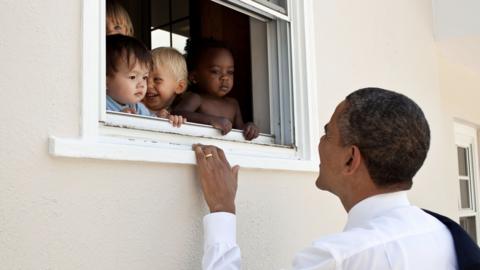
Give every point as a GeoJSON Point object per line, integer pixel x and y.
{"type": "Point", "coordinates": [214, 73]}
{"type": "Point", "coordinates": [128, 86]}
{"type": "Point", "coordinates": [114, 27]}
{"type": "Point", "coordinates": [162, 88]}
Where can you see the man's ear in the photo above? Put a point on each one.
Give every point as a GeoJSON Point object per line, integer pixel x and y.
{"type": "Point", "coordinates": [352, 161]}
{"type": "Point", "coordinates": [181, 87]}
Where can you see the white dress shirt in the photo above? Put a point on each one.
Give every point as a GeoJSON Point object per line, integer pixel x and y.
{"type": "Point", "coordinates": [382, 232]}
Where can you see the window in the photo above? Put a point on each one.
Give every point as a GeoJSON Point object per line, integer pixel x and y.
{"type": "Point", "coordinates": [258, 34]}
{"type": "Point", "coordinates": [467, 156]}
{"type": "Point", "coordinates": [279, 95]}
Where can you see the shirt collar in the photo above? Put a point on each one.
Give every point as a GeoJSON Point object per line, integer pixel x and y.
{"type": "Point", "coordinates": [374, 206]}
{"type": "Point", "coordinates": [119, 106]}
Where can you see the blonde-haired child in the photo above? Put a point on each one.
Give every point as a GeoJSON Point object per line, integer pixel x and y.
{"type": "Point", "coordinates": [118, 20]}
{"type": "Point", "coordinates": [168, 78]}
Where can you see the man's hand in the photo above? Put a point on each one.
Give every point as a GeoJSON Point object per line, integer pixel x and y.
{"type": "Point", "coordinates": [217, 178]}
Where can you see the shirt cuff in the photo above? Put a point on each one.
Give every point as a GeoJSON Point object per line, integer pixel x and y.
{"type": "Point", "coordinates": [220, 227]}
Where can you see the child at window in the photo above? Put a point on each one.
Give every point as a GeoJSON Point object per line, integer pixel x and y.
{"type": "Point", "coordinates": [128, 65]}
{"type": "Point", "coordinates": [211, 68]}
{"type": "Point", "coordinates": [167, 79]}
{"type": "Point", "coordinates": [118, 20]}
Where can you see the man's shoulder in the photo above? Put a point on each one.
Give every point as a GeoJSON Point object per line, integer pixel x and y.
{"type": "Point", "coordinates": [397, 225]}
{"type": "Point", "coordinates": [348, 242]}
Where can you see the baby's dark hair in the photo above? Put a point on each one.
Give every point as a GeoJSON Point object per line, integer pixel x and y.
{"type": "Point", "coordinates": [196, 47]}
{"type": "Point", "coordinates": [120, 46]}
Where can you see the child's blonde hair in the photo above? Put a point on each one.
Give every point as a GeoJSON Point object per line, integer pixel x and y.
{"type": "Point", "coordinates": [171, 59]}
{"type": "Point", "coordinates": [119, 15]}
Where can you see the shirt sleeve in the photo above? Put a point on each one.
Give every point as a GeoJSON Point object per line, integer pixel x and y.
{"type": "Point", "coordinates": [143, 110]}
{"type": "Point", "coordinates": [220, 245]}
{"type": "Point", "coordinates": [315, 257]}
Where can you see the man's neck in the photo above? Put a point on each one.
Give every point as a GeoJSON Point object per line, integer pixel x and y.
{"type": "Point", "coordinates": [349, 202]}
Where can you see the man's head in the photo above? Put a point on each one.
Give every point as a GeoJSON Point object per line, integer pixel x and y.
{"type": "Point", "coordinates": [384, 130]}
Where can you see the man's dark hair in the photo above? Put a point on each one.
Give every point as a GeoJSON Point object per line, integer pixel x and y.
{"type": "Point", "coordinates": [124, 47]}
{"type": "Point", "coordinates": [391, 132]}
{"type": "Point", "coordinates": [196, 47]}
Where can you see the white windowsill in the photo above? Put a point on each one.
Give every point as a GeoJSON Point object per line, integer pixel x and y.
{"type": "Point", "coordinates": [125, 120]}
{"type": "Point", "coordinates": [147, 150]}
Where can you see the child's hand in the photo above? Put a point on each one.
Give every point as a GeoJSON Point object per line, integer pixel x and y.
{"type": "Point", "coordinates": [176, 120]}
{"type": "Point", "coordinates": [250, 131]}
{"type": "Point", "coordinates": [129, 110]}
{"type": "Point", "coordinates": [223, 124]}
{"type": "Point", "coordinates": [163, 113]}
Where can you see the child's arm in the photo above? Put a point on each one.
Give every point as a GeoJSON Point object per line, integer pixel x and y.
{"type": "Point", "coordinates": [191, 103]}
{"type": "Point", "coordinates": [250, 130]}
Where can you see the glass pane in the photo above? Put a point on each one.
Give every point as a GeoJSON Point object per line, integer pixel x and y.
{"type": "Point", "coordinates": [164, 12]}
{"type": "Point", "coordinates": [160, 38]}
{"type": "Point", "coordinates": [469, 225]}
{"type": "Point", "coordinates": [179, 9]}
{"type": "Point", "coordinates": [181, 32]}
{"type": "Point", "coordinates": [462, 161]}
{"type": "Point", "coordinates": [464, 194]}
{"type": "Point", "coordinates": [260, 86]}
{"type": "Point", "coordinates": [278, 5]}
{"type": "Point", "coordinates": [170, 23]}
{"type": "Point", "coordinates": [159, 13]}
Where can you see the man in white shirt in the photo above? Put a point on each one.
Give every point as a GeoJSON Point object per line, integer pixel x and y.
{"type": "Point", "coordinates": [374, 144]}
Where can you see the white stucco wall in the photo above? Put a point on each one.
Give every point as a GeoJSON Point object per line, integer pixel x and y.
{"type": "Point", "coordinates": [60, 213]}
{"type": "Point", "coordinates": [460, 86]}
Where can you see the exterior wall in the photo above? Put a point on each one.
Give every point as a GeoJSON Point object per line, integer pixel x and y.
{"type": "Point", "coordinates": [60, 213]}
{"type": "Point", "coordinates": [460, 87]}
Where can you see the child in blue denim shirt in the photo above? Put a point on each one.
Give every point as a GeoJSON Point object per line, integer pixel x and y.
{"type": "Point", "coordinates": [128, 66]}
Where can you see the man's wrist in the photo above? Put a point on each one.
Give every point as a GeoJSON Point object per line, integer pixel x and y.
{"type": "Point", "coordinates": [229, 208]}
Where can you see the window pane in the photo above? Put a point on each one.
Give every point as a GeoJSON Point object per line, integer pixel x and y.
{"type": "Point", "coordinates": [159, 13]}
{"type": "Point", "coordinates": [179, 9]}
{"type": "Point", "coordinates": [462, 161]}
{"type": "Point", "coordinates": [160, 38]}
{"type": "Point", "coordinates": [170, 23]}
{"type": "Point", "coordinates": [282, 3]}
{"type": "Point", "coordinates": [464, 194]}
{"type": "Point", "coordinates": [260, 85]}
{"type": "Point", "coordinates": [181, 32]}
{"type": "Point", "coordinates": [469, 225]}
{"type": "Point", "coordinates": [278, 5]}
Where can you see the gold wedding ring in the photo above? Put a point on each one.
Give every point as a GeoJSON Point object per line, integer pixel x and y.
{"type": "Point", "coordinates": [208, 155]}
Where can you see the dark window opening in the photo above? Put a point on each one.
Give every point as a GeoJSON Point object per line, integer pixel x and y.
{"type": "Point", "coordinates": [162, 23]}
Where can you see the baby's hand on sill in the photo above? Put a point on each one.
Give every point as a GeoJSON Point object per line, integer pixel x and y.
{"type": "Point", "coordinates": [175, 120]}
{"type": "Point", "coordinates": [163, 113]}
{"type": "Point", "coordinates": [222, 124]}
{"type": "Point", "coordinates": [250, 131]}
{"type": "Point", "coordinates": [129, 110]}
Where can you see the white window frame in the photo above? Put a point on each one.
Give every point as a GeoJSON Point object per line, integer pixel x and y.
{"type": "Point", "coordinates": [466, 137]}
{"type": "Point", "coordinates": [119, 142]}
